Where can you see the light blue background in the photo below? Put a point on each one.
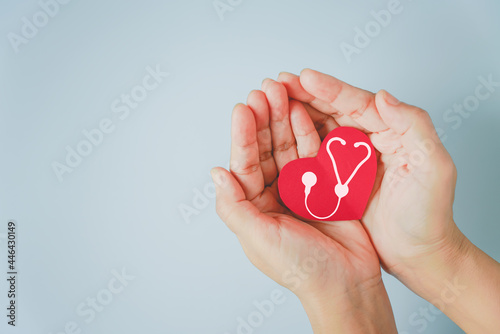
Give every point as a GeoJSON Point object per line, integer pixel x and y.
{"type": "Point", "coordinates": [120, 207]}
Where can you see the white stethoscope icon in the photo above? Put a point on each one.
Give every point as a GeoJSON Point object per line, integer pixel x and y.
{"type": "Point", "coordinates": [309, 179]}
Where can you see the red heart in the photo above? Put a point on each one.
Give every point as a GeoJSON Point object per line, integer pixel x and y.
{"type": "Point", "coordinates": [356, 163]}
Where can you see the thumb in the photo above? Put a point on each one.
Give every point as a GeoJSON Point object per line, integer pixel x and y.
{"type": "Point", "coordinates": [412, 123]}
{"type": "Point", "coordinates": [232, 205]}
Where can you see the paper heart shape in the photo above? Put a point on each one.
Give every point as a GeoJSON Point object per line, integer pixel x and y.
{"type": "Point", "coordinates": [337, 183]}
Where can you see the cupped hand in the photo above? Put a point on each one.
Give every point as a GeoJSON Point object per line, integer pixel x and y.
{"type": "Point", "coordinates": [409, 216]}
{"type": "Point", "coordinates": [316, 260]}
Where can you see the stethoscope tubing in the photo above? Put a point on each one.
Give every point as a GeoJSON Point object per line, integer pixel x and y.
{"type": "Point", "coordinates": [341, 190]}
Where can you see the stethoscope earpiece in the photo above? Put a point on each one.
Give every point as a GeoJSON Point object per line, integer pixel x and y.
{"type": "Point", "coordinates": [309, 179]}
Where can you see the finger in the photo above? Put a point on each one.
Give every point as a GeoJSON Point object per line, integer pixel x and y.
{"type": "Point", "coordinates": [294, 88]}
{"type": "Point", "coordinates": [265, 82]}
{"type": "Point", "coordinates": [413, 124]}
{"type": "Point", "coordinates": [245, 162]}
{"type": "Point", "coordinates": [232, 207]}
{"type": "Point", "coordinates": [257, 102]}
{"type": "Point", "coordinates": [344, 120]}
{"type": "Point", "coordinates": [322, 122]}
{"type": "Point", "coordinates": [357, 104]}
{"type": "Point", "coordinates": [297, 92]}
{"type": "Point", "coordinates": [308, 141]}
{"type": "Point", "coordinates": [284, 146]}
{"type": "Point", "coordinates": [386, 142]}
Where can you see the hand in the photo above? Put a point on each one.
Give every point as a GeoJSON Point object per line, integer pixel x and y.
{"type": "Point", "coordinates": [332, 267]}
{"type": "Point", "coordinates": [410, 214]}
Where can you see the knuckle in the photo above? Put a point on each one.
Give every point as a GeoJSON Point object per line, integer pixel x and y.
{"type": "Point", "coordinates": [285, 146]}
{"type": "Point", "coordinates": [265, 155]}
{"type": "Point", "coordinates": [312, 154]}
{"type": "Point", "coordinates": [245, 170]}
{"type": "Point", "coordinates": [421, 114]}
{"type": "Point", "coordinates": [368, 103]}
{"type": "Point", "coordinates": [446, 167]}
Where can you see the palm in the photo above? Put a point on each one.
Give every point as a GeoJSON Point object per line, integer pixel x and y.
{"type": "Point", "coordinates": [399, 215]}
{"type": "Point", "coordinates": [393, 201]}
{"type": "Point", "coordinates": [290, 241]}
{"type": "Point", "coordinates": [265, 136]}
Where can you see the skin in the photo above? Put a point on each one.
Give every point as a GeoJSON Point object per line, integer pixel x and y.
{"type": "Point", "coordinates": [408, 225]}
{"type": "Point", "coordinates": [344, 291]}
{"type": "Point", "coordinates": [410, 215]}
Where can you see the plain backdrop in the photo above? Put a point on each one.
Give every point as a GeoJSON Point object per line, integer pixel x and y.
{"type": "Point", "coordinates": [120, 206]}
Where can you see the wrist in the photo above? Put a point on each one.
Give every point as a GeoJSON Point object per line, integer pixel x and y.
{"type": "Point", "coordinates": [460, 280]}
{"type": "Point", "coordinates": [365, 309]}
{"type": "Point", "coordinates": [446, 260]}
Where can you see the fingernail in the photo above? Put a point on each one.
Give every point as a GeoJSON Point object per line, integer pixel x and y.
{"type": "Point", "coordinates": [217, 177]}
{"type": "Point", "coordinates": [391, 99]}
